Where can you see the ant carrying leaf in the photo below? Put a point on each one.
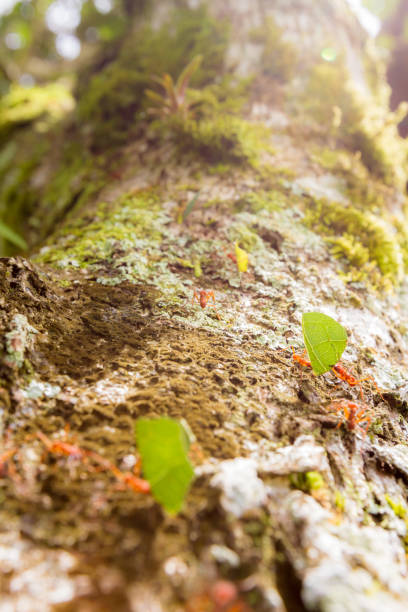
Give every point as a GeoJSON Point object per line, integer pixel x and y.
{"type": "Point", "coordinates": [325, 340]}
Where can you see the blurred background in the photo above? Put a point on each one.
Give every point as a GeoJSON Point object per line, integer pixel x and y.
{"type": "Point", "coordinates": [52, 42]}
{"type": "Point", "coordinates": [46, 40]}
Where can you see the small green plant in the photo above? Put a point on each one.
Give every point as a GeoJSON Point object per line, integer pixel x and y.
{"type": "Point", "coordinates": [340, 501]}
{"type": "Point", "coordinates": [307, 481]}
{"type": "Point", "coordinates": [185, 211]}
{"type": "Point", "coordinates": [325, 340]}
{"type": "Point", "coordinates": [7, 233]}
{"type": "Point", "coordinates": [163, 446]}
{"type": "Point", "coordinates": [397, 507]}
{"type": "Point", "coordinates": [173, 102]}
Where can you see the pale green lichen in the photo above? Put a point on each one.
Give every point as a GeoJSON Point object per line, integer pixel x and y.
{"type": "Point", "coordinates": [271, 201]}
{"type": "Point", "coordinates": [339, 500]}
{"type": "Point", "coordinates": [17, 340]}
{"type": "Point", "coordinates": [117, 226]}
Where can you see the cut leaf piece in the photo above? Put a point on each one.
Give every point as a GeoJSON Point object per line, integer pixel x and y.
{"type": "Point", "coordinates": [163, 445]}
{"type": "Point", "coordinates": [325, 340]}
{"type": "Point", "coordinates": [242, 258]}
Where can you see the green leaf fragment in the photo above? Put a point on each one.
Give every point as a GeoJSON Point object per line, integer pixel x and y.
{"type": "Point", "coordinates": [163, 445]}
{"type": "Point", "coordinates": [190, 206]}
{"type": "Point", "coordinates": [325, 340]}
{"type": "Point", "coordinates": [7, 233]}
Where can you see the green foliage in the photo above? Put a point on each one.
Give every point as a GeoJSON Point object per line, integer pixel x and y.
{"type": "Point", "coordinates": [163, 445]}
{"type": "Point", "coordinates": [325, 340]}
{"type": "Point", "coordinates": [174, 100]}
{"type": "Point", "coordinates": [111, 99]}
{"type": "Point", "coordinates": [22, 105]}
{"type": "Point", "coordinates": [307, 481]}
{"type": "Point", "coordinates": [360, 187]}
{"type": "Point", "coordinates": [189, 207]}
{"type": "Point", "coordinates": [7, 233]}
{"type": "Point", "coordinates": [19, 159]}
{"type": "Point", "coordinates": [360, 123]}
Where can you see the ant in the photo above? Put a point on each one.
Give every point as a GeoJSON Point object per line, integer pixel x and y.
{"type": "Point", "coordinates": [203, 297]}
{"type": "Point", "coordinates": [299, 358]}
{"type": "Point", "coordinates": [353, 414]}
{"type": "Point", "coordinates": [138, 485]}
{"type": "Point", "coordinates": [65, 448]}
{"type": "Point", "coordinates": [4, 457]}
{"type": "Point", "coordinates": [338, 370]}
{"type": "Point", "coordinates": [230, 256]}
{"type": "Point", "coordinates": [58, 447]}
{"type": "Point", "coordinates": [342, 373]}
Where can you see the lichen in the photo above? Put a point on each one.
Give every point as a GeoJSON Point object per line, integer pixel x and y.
{"type": "Point", "coordinates": [132, 217]}
{"type": "Point", "coordinates": [17, 340]}
{"type": "Point", "coordinates": [268, 200]}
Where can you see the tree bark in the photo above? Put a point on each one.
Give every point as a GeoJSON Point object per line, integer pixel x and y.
{"type": "Point", "coordinates": [293, 155]}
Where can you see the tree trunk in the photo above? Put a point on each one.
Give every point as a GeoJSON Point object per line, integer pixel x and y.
{"type": "Point", "coordinates": [284, 146]}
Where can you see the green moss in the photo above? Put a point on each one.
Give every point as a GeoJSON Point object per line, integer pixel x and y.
{"type": "Point", "coordinates": [349, 246]}
{"type": "Point", "coordinates": [114, 228]}
{"type": "Point", "coordinates": [266, 200]}
{"type": "Point", "coordinates": [113, 97]}
{"type": "Point", "coordinates": [401, 224]}
{"type": "Point", "coordinates": [360, 123]}
{"type": "Point", "coordinates": [279, 57]}
{"type": "Point", "coordinates": [357, 235]}
{"type": "Point", "coordinates": [46, 104]}
{"type": "Point", "coordinates": [247, 238]}
{"type": "Point", "coordinates": [360, 188]}
{"type": "Point", "coordinates": [307, 481]}
{"type": "Point", "coordinates": [220, 139]}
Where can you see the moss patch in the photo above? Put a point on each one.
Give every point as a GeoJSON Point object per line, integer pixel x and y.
{"type": "Point", "coordinates": [116, 94]}
{"type": "Point", "coordinates": [360, 123]}
{"type": "Point", "coordinates": [366, 241]}
{"type": "Point", "coordinates": [133, 217]}
{"type": "Point", "coordinates": [221, 139]}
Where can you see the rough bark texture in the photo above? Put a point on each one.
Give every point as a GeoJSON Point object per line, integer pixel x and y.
{"type": "Point", "coordinates": [301, 165]}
